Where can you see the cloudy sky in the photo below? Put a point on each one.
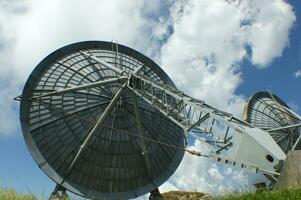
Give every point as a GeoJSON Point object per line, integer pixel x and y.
{"type": "Point", "coordinates": [220, 51]}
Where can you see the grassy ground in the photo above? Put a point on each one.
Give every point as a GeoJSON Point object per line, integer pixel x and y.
{"type": "Point", "coordinates": [11, 194]}
{"type": "Point", "coordinates": [178, 195]}
{"type": "Point", "coordinates": [293, 194]}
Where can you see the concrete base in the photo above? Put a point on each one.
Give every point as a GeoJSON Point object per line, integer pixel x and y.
{"type": "Point", "coordinates": [290, 175]}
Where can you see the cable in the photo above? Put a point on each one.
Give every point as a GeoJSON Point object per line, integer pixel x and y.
{"type": "Point", "coordinates": [191, 151]}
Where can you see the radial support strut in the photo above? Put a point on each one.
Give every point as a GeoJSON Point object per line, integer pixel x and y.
{"type": "Point", "coordinates": [81, 87]}
{"type": "Point", "coordinates": [103, 63]}
{"type": "Point", "coordinates": [284, 127]}
{"type": "Point", "coordinates": [98, 123]}
{"type": "Point", "coordinates": [137, 70]}
{"type": "Point", "coordinates": [296, 143]}
{"type": "Point", "coordinates": [140, 132]}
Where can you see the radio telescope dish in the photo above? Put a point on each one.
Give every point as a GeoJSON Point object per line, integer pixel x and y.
{"type": "Point", "coordinates": [86, 138]}
{"type": "Point", "coordinates": [105, 122]}
{"type": "Point", "coordinates": [268, 112]}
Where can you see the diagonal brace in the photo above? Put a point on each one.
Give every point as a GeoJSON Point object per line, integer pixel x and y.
{"type": "Point", "coordinates": [296, 143]}
{"type": "Point", "coordinates": [103, 63]}
{"type": "Point", "coordinates": [202, 119]}
{"type": "Point", "coordinates": [98, 123]}
{"type": "Point", "coordinates": [81, 87]}
{"type": "Point", "coordinates": [140, 132]}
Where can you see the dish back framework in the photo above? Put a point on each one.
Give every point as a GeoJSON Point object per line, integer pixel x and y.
{"type": "Point", "coordinates": [104, 121]}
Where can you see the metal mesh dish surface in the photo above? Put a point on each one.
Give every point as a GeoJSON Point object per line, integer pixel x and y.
{"type": "Point", "coordinates": [54, 127]}
{"type": "Point", "coordinates": [267, 111]}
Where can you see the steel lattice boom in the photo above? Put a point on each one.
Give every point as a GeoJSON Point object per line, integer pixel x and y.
{"type": "Point", "coordinates": [234, 141]}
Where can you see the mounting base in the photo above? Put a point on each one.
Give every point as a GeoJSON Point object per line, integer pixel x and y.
{"type": "Point", "coordinates": [156, 195]}
{"type": "Point", "coordinates": [290, 176]}
{"type": "Point", "coordinates": [59, 193]}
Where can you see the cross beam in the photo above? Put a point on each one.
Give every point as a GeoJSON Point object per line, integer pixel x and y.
{"type": "Point", "coordinates": [82, 87]}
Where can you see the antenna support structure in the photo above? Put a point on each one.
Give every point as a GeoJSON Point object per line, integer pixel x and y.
{"type": "Point", "coordinates": [104, 121]}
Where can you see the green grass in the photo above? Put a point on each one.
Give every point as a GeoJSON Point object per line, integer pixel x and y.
{"type": "Point", "coordinates": [11, 194]}
{"type": "Point", "coordinates": [292, 194]}
{"type": "Point", "coordinates": [179, 195]}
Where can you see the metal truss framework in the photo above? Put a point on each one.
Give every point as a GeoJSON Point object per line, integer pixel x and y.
{"type": "Point", "coordinates": [225, 134]}
{"type": "Point", "coordinates": [204, 122]}
{"type": "Point", "coordinates": [212, 126]}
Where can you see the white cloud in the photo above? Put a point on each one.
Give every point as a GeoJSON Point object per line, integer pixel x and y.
{"type": "Point", "coordinates": [203, 56]}
{"type": "Point", "coordinates": [297, 74]}
{"type": "Point", "coordinates": [199, 174]}
{"type": "Point", "coordinates": [45, 26]}
{"type": "Point", "coordinates": [32, 29]}
{"type": "Point", "coordinates": [268, 34]}
{"type": "Point", "coordinates": [200, 44]}
{"type": "Point", "coordinates": [211, 39]}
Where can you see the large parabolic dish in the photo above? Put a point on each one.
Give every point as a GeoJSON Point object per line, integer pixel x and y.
{"type": "Point", "coordinates": [114, 164]}
{"type": "Point", "coordinates": [268, 112]}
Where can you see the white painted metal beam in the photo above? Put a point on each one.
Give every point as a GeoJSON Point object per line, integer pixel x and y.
{"type": "Point", "coordinates": [141, 134]}
{"type": "Point", "coordinates": [103, 63]}
{"type": "Point", "coordinates": [284, 127]}
{"type": "Point", "coordinates": [81, 87]}
{"type": "Point", "coordinates": [98, 124]}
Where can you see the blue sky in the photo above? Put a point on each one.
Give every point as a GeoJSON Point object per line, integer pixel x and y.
{"type": "Point", "coordinates": [17, 168]}
{"type": "Point", "coordinates": [279, 76]}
